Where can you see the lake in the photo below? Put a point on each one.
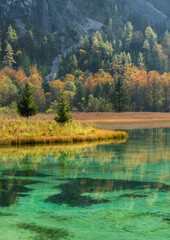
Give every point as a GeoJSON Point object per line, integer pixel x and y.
{"type": "Point", "coordinates": [92, 191]}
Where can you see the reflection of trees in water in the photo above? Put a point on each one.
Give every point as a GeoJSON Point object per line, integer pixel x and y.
{"type": "Point", "coordinates": [156, 137]}
{"type": "Point", "coordinates": [144, 148]}
{"type": "Point", "coordinates": [75, 192]}
{"type": "Point", "coordinates": [11, 189]}
{"type": "Point", "coordinates": [35, 154]}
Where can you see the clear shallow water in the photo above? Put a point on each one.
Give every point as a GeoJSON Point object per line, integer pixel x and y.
{"type": "Point", "coordinates": [106, 191]}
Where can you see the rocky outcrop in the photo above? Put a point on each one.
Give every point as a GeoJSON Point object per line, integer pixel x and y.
{"type": "Point", "coordinates": [16, 8]}
{"type": "Point", "coordinates": [163, 6]}
{"type": "Point", "coordinates": [90, 27]}
{"type": "Point", "coordinates": [49, 15]}
{"type": "Point", "coordinates": [57, 14]}
{"type": "Point", "coordinates": [139, 8]}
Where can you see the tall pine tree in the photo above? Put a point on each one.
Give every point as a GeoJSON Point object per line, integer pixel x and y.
{"type": "Point", "coordinates": [63, 112]}
{"type": "Point", "coordinates": [26, 105]}
{"type": "Point", "coordinates": [120, 98]}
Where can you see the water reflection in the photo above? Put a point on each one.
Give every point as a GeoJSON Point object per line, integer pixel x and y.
{"type": "Point", "coordinates": [11, 189]}
{"type": "Point", "coordinates": [93, 190]}
{"type": "Point", "coordinates": [73, 190]}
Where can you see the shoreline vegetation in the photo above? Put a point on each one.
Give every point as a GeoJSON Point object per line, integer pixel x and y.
{"type": "Point", "coordinates": [17, 131]}
{"type": "Point", "coordinates": [42, 129]}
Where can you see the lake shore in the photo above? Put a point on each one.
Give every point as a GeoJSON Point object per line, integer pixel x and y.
{"type": "Point", "coordinates": [37, 130]}
{"type": "Point", "coordinates": [107, 116]}
{"type": "Point", "coordinates": [119, 121]}
{"type": "Point", "coordinates": [126, 121]}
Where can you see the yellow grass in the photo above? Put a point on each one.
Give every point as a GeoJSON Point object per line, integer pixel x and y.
{"type": "Point", "coordinates": [38, 130]}
{"type": "Point", "coordinates": [122, 117]}
{"type": "Point", "coordinates": [108, 116]}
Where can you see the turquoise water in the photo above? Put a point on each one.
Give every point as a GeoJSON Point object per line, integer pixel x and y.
{"type": "Point", "coordinates": [97, 191]}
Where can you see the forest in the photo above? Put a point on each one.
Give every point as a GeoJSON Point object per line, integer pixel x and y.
{"type": "Point", "coordinates": [122, 67]}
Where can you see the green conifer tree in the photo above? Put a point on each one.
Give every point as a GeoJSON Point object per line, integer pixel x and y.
{"type": "Point", "coordinates": [63, 112]}
{"type": "Point", "coordinates": [120, 98]}
{"type": "Point", "coordinates": [26, 105]}
{"type": "Point", "coordinates": [78, 100]}
{"type": "Point", "coordinates": [26, 63]}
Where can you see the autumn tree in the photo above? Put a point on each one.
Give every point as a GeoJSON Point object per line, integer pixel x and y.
{"type": "Point", "coordinates": [127, 35]}
{"type": "Point", "coordinates": [141, 62]}
{"type": "Point", "coordinates": [135, 81]}
{"type": "Point", "coordinates": [155, 89]}
{"type": "Point", "coordinates": [11, 34]}
{"type": "Point", "coordinates": [8, 59]}
{"type": "Point", "coordinates": [8, 91]}
{"type": "Point", "coordinates": [166, 92]}
{"type": "Point", "coordinates": [36, 81]}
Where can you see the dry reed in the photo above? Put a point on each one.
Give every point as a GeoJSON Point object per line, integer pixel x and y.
{"type": "Point", "coordinates": [19, 131]}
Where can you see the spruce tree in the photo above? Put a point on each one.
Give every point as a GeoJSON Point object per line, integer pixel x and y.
{"type": "Point", "coordinates": [26, 105]}
{"type": "Point", "coordinates": [26, 63]}
{"type": "Point", "coordinates": [78, 100]}
{"type": "Point", "coordinates": [63, 112]}
{"type": "Point", "coordinates": [120, 99]}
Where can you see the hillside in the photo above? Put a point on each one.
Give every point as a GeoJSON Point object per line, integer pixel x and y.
{"type": "Point", "coordinates": [48, 15]}
{"type": "Point", "coordinates": [156, 11]}
{"type": "Point", "coordinates": [104, 55]}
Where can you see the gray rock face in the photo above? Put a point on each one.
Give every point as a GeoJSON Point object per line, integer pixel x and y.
{"type": "Point", "coordinates": [49, 15]}
{"type": "Point", "coordinates": [16, 8]}
{"type": "Point", "coordinates": [57, 14]}
{"type": "Point", "coordinates": [144, 7]}
{"type": "Point", "coordinates": [54, 15]}
{"type": "Point", "coordinates": [162, 5]}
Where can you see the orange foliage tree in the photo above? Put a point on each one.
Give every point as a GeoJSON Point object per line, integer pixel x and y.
{"type": "Point", "coordinates": [98, 79]}
{"type": "Point", "coordinates": [136, 84]}
{"type": "Point", "coordinates": [35, 81]}
{"type": "Point", "coordinates": [56, 89]}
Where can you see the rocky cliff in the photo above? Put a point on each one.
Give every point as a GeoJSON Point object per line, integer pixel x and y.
{"type": "Point", "coordinates": [139, 8]}
{"type": "Point", "coordinates": [54, 15]}
{"type": "Point", "coordinates": [49, 15]}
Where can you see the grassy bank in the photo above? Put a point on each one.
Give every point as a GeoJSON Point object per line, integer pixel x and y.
{"type": "Point", "coordinates": [20, 131]}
